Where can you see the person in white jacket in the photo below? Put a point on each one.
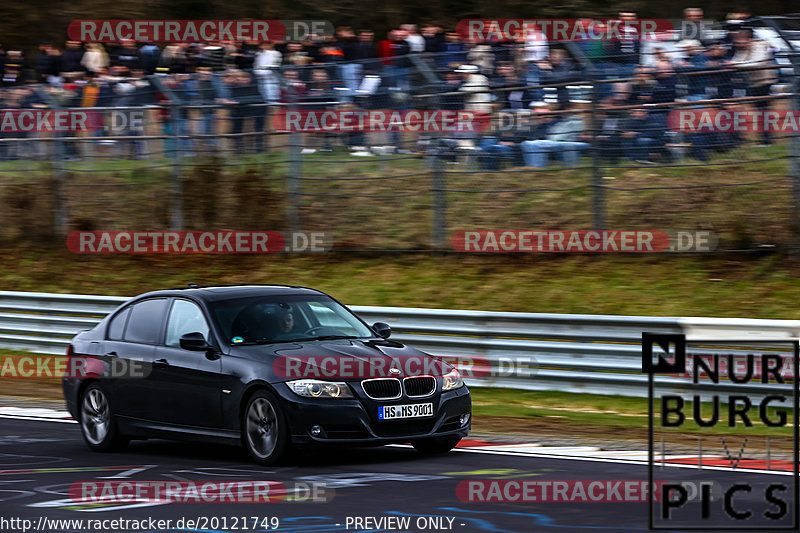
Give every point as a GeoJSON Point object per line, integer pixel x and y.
{"type": "Point", "coordinates": [95, 59]}
{"type": "Point", "coordinates": [535, 49]}
{"type": "Point", "coordinates": [266, 60]}
{"type": "Point", "coordinates": [476, 87]}
{"type": "Point", "coordinates": [754, 58]}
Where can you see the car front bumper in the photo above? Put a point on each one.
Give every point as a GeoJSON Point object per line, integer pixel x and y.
{"type": "Point", "coordinates": [355, 421]}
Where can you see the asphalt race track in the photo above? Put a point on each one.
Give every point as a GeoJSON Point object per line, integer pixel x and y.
{"type": "Point", "coordinates": [39, 461]}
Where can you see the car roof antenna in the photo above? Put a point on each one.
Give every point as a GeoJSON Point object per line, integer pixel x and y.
{"type": "Point", "coordinates": [192, 285]}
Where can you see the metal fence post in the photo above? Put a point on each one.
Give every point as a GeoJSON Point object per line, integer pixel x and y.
{"type": "Point", "coordinates": [293, 177]}
{"type": "Point", "coordinates": [59, 154]}
{"type": "Point", "coordinates": [269, 128]}
{"type": "Point", "coordinates": [294, 153]}
{"type": "Point", "coordinates": [794, 145]}
{"type": "Point", "coordinates": [439, 203]}
{"type": "Point", "coordinates": [176, 186]}
{"type": "Point", "coordinates": [60, 209]}
{"type": "Point", "coordinates": [293, 182]}
{"type": "Point", "coordinates": [794, 160]}
{"type": "Point", "coordinates": [598, 199]}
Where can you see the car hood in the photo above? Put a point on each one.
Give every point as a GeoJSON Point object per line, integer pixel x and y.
{"type": "Point", "coordinates": [345, 359]}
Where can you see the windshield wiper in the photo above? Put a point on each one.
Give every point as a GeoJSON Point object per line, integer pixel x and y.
{"type": "Point", "coordinates": [303, 339]}
{"type": "Point", "coordinates": [264, 341]}
{"type": "Point", "coordinates": [327, 338]}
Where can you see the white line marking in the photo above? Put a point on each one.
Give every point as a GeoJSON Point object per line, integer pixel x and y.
{"type": "Point", "coordinates": [35, 413]}
{"type": "Point", "coordinates": [38, 419]}
{"type": "Point", "coordinates": [624, 461]}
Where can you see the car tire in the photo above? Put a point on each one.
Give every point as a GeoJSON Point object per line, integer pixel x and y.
{"type": "Point", "coordinates": [265, 432]}
{"type": "Point", "coordinates": [98, 423]}
{"type": "Point", "coordinates": [436, 445]}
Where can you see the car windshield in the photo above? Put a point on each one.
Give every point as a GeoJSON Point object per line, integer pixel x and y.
{"type": "Point", "coordinates": [286, 318]}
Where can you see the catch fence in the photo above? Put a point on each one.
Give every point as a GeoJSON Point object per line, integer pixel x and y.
{"type": "Point", "coordinates": [215, 150]}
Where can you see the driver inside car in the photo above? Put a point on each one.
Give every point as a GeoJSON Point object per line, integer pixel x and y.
{"type": "Point", "coordinates": [285, 321]}
{"type": "Point", "coordinates": [255, 323]}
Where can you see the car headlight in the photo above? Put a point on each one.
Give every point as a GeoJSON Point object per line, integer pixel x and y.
{"type": "Point", "coordinates": [452, 380]}
{"type": "Point", "coordinates": [314, 388]}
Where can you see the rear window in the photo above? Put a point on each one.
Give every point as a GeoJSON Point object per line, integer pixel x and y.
{"type": "Point", "coordinates": [146, 321]}
{"type": "Point", "coordinates": [117, 325]}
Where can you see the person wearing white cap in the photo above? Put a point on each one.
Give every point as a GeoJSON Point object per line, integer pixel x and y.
{"type": "Point", "coordinates": [476, 85]}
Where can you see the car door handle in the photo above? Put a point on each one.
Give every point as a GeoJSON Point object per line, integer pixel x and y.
{"type": "Point", "coordinates": [112, 354]}
{"type": "Point", "coordinates": [160, 362]}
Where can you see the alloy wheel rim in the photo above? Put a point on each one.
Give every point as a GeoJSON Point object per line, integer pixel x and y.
{"type": "Point", "coordinates": [95, 416]}
{"type": "Point", "coordinates": [262, 427]}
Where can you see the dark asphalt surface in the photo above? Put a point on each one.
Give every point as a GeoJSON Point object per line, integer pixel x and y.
{"type": "Point", "coordinates": [40, 460]}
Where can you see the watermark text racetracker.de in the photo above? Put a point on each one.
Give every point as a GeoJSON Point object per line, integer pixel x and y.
{"type": "Point", "coordinates": [49, 120]}
{"type": "Point", "coordinates": [197, 242]}
{"type": "Point", "coordinates": [197, 31]}
{"type": "Point", "coordinates": [113, 121]}
{"type": "Point", "coordinates": [315, 367]}
{"type": "Point", "coordinates": [381, 120]}
{"type": "Point", "coordinates": [198, 491]}
{"type": "Point", "coordinates": [481, 30]}
{"type": "Point", "coordinates": [734, 121]}
{"type": "Point", "coordinates": [125, 491]}
{"type": "Point", "coordinates": [554, 491]}
{"type": "Point", "coordinates": [583, 241]}
{"type": "Point", "coordinates": [39, 366]}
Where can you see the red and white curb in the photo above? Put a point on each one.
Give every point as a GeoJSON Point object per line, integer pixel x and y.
{"type": "Point", "coordinates": [638, 457]}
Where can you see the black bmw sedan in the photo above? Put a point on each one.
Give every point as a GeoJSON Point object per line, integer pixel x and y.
{"type": "Point", "coordinates": [268, 366]}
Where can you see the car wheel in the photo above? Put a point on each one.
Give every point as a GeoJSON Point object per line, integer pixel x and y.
{"type": "Point", "coordinates": [98, 425]}
{"type": "Point", "coordinates": [265, 433]}
{"type": "Point", "coordinates": [436, 445]}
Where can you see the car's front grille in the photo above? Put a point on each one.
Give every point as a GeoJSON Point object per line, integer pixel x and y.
{"type": "Point", "coordinates": [420, 386]}
{"type": "Point", "coordinates": [382, 388]}
{"type": "Point", "coordinates": [402, 428]}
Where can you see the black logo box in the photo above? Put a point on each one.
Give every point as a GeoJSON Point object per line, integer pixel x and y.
{"type": "Point", "coordinates": [674, 347]}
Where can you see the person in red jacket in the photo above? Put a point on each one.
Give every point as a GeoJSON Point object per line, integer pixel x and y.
{"type": "Point", "coordinates": [385, 49]}
{"type": "Point", "coordinates": [391, 51]}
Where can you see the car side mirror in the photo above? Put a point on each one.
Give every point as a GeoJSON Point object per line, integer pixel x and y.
{"type": "Point", "coordinates": [382, 329]}
{"type": "Point", "coordinates": [194, 341]}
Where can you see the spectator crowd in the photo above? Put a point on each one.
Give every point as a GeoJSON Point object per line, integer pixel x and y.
{"type": "Point", "coordinates": [199, 90]}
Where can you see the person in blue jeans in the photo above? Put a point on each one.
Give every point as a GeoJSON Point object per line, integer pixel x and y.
{"type": "Point", "coordinates": [527, 126]}
{"type": "Point", "coordinates": [503, 146]}
{"type": "Point", "coordinates": [494, 152]}
{"type": "Point", "coordinates": [563, 140]}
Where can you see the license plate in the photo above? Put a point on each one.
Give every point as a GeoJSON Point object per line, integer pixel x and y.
{"type": "Point", "coordinates": [412, 410]}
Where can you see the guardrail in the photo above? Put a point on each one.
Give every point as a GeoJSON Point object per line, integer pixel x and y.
{"type": "Point", "coordinates": [598, 354]}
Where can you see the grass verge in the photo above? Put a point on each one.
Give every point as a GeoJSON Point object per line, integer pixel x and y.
{"type": "Point", "coordinates": [386, 203]}
{"type": "Point", "coordinates": [618, 415]}
{"type": "Point", "coordinates": [725, 286]}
